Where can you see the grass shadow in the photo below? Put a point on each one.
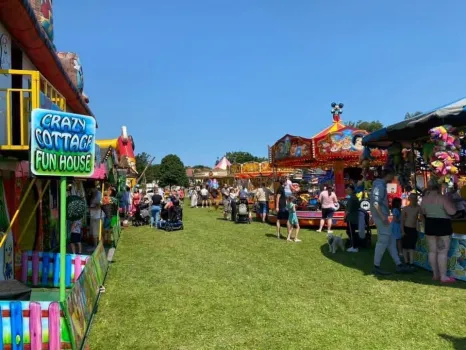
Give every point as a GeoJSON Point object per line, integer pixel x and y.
{"type": "Point", "coordinates": [363, 261]}
{"type": "Point", "coordinates": [458, 343]}
{"type": "Point", "coordinates": [274, 235]}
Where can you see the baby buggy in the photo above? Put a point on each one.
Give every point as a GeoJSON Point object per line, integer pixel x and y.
{"type": "Point", "coordinates": [243, 215]}
{"type": "Point", "coordinates": [141, 215]}
{"type": "Point", "coordinates": [172, 218]}
{"type": "Point", "coordinates": [366, 235]}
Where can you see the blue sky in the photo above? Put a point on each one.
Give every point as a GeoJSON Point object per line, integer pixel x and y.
{"type": "Point", "coordinates": [200, 78]}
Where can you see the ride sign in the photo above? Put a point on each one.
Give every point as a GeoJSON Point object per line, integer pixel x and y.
{"type": "Point", "coordinates": [62, 144]}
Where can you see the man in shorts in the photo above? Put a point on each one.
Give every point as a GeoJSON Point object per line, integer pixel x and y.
{"type": "Point", "coordinates": [280, 206]}
{"type": "Point", "coordinates": [261, 197]}
{"type": "Point", "coordinates": [204, 196]}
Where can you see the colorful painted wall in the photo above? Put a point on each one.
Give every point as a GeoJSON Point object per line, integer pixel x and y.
{"type": "Point", "coordinates": [81, 300]}
{"type": "Point", "coordinates": [456, 256]}
{"type": "Point", "coordinates": [5, 80]}
{"type": "Point", "coordinates": [7, 250]}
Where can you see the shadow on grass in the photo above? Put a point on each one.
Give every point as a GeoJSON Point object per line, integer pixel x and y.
{"type": "Point", "coordinates": [458, 343]}
{"type": "Point", "coordinates": [274, 235]}
{"type": "Point", "coordinates": [363, 261]}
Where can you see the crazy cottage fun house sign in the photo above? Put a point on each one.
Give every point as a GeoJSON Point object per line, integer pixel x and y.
{"type": "Point", "coordinates": [62, 144]}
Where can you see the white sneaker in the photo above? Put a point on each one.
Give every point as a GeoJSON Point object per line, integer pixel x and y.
{"type": "Point", "coordinates": [353, 250]}
{"type": "Point", "coordinates": [297, 240]}
{"type": "Point", "coordinates": [319, 231]}
{"type": "Point", "coordinates": [330, 232]}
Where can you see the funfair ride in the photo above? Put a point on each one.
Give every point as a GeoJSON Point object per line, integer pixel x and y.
{"type": "Point", "coordinates": [337, 148]}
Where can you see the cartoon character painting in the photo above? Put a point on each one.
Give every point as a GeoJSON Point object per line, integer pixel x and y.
{"type": "Point", "coordinates": [4, 52]}
{"type": "Point", "coordinates": [357, 142]}
{"type": "Point", "coordinates": [46, 17]}
{"type": "Point", "coordinates": [287, 146]}
{"type": "Point", "coordinates": [6, 252]}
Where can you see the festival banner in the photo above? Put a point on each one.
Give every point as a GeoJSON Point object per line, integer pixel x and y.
{"type": "Point", "coordinates": [62, 144]}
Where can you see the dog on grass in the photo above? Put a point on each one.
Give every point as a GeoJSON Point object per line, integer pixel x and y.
{"type": "Point", "coordinates": [335, 242]}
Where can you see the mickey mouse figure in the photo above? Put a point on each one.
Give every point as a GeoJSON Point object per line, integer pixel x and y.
{"type": "Point", "coordinates": [337, 110]}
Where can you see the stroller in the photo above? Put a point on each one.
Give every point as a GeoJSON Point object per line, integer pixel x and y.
{"type": "Point", "coordinates": [243, 216]}
{"type": "Point", "coordinates": [141, 215]}
{"type": "Point", "coordinates": [366, 236]}
{"type": "Point", "coordinates": [364, 229]}
{"type": "Point", "coordinates": [172, 218]}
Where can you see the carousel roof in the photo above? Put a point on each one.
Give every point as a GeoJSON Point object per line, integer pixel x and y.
{"type": "Point", "coordinates": [336, 126]}
{"type": "Point", "coordinates": [335, 143]}
{"type": "Point", "coordinates": [223, 164]}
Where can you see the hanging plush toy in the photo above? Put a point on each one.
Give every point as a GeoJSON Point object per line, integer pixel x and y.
{"type": "Point", "coordinates": [446, 154]}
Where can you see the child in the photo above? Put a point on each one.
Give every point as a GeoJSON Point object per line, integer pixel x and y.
{"type": "Point", "coordinates": [409, 220]}
{"type": "Point", "coordinates": [292, 219]}
{"type": "Point", "coordinates": [395, 225]}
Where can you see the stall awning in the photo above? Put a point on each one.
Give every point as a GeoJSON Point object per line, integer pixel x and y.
{"type": "Point", "coordinates": [412, 129]}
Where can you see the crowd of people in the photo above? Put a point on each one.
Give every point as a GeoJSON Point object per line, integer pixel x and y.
{"type": "Point", "coordinates": [433, 216]}
{"type": "Point", "coordinates": [397, 225]}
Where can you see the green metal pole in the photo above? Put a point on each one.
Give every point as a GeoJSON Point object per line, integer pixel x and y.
{"type": "Point", "coordinates": [63, 236]}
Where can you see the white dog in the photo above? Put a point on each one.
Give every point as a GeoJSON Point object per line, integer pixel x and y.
{"type": "Point", "coordinates": [335, 242]}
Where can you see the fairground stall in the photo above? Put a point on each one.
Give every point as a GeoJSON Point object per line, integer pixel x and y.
{"type": "Point", "coordinates": [119, 166]}
{"type": "Point", "coordinates": [438, 138]}
{"type": "Point", "coordinates": [48, 295]}
{"type": "Point", "coordinates": [215, 177]}
{"type": "Point", "coordinates": [337, 148]}
{"type": "Point", "coordinates": [253, 174]}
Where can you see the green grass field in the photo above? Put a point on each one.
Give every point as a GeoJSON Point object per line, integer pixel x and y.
{"type": "Point", "coordinates": [217, 285]}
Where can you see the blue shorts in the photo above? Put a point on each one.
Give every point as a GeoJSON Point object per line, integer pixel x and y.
{"type": "Point", "coordinates": [263, 207]}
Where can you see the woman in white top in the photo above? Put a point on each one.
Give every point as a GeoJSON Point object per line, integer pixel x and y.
{"type": "Point", "coordinates": [193, 198]}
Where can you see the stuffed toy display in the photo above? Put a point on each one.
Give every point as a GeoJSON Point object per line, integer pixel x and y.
{"type": "Point", "coordinates": [445, 154]}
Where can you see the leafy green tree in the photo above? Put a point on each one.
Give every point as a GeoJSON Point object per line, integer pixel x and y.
{"type": "Point", "coordinates": [198, 166]}
{"type": "Point", "coordinates": [369, 126]}
{"type": "Point", "coordinates": [172, 171]}
{"type": "Point", "coordinates": [142, 159]}
{"type": "Point", "coordinates": [243, 157]}
{"type": "Point", "coordinates": [153, 173]}
{"type": "Point", "coordinates": [412, 115]}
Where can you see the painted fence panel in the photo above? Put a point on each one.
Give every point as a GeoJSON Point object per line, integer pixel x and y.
{"type": "Point", "coordinates": [81, 300]}
{"type": "Point", "coordinates": [33, 325]}
{"type": "Point", "coordinates": [40, 270]}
